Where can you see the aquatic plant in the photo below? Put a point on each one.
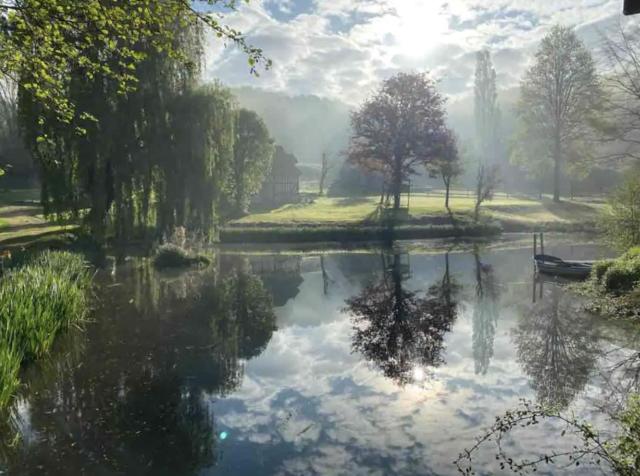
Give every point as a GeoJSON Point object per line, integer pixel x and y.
{"type": "Point", "coordinates": [174, 256]}
{"type": "Point", "coordinates": [38, 301]}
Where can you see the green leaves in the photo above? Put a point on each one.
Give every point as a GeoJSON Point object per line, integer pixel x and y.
{"type": "Point", "coordinates": [46, 42]}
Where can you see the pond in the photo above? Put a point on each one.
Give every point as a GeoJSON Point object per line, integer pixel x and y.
{"type": "Point", "coordinates": [374, 361]}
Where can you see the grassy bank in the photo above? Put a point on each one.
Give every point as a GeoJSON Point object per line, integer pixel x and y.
{"type": "Point", "coordinates": [614, 286]}
{"type": "Point", "coordinates": [357, 219]}
{"type": "Point", "coordinates": [301, 234]}
{"type": "Point", "coordinates": [38, 300]}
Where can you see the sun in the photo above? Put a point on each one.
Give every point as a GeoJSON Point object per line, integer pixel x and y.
{"type": "Point", "coordinates": [421, 25]}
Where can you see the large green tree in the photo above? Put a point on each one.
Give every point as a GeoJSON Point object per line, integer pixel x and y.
{"type": "Point", "coordinates": [252, 158]}
{"type": "Point", "coordinates": [561, 95]}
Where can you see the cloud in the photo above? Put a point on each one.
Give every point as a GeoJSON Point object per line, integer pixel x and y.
{"type": "Point", "coordinates": [341, 48]}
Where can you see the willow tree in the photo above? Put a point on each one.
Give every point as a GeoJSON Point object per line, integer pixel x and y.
{"type": "Point", "coordinates": [561, 95]}
{"type": "Point", "coordinates": [197, 165]}
{"type": "Point", "coordinates": [252, 158]}
{"type": "Point", "coordinates": [154, 158]}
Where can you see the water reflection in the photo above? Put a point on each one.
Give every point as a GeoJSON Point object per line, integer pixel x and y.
{"type": "Point", "coordinates": [186, 373]}
{"type": "Point", "coordinates": [485, 314]}
{"type": "Point", "coordinates": [134, 402]}
{"type": "Point", "coordinates": [557, 345]}
{"type": "Point", "coordinates": [399, 332]}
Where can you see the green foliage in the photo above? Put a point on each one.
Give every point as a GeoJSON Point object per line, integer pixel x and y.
{"type": "Point", "coordinates": [621, 219]}
{"type": "Point", "coordinates": [38, 301]}
{"type": "Point", "coordinates": [620, 275]}
{"type": "Point", "coordinates": [626, 447]}
{"type": "Point", "coordinates": [559, 96]}
{"type": "Point", "coordinates": [600, 268]}
{"type": "Point", "coordinates": [614, 287]}
{"type": "Point", "coordinates": [156, 159]}
{"type": "Point", "coordinates": [174, 256]}
{"type": "Point", "coordinates": [47, 43]}
{"type": "Point", "coordinates": [252, 158]}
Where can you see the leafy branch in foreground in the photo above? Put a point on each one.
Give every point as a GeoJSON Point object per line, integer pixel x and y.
{"type": "Point", "coordinates": [45, 43]}
{"type": "Point", "coordinates": [620, 453]}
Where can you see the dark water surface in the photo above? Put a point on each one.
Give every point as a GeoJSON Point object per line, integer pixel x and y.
{"type": "Point", "coordinates": [370, 362]}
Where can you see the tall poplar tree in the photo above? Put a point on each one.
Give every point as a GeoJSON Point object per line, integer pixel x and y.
{"type": "Point", "coordinates": [487, 111]}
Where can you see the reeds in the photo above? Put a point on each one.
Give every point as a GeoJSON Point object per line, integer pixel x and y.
{"type": "Point", "coordinates": [38, 301]}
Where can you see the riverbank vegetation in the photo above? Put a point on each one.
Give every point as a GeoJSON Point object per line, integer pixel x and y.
{"type": "Point", "coordinates": [38, 301]}
{"type": "Point", "coordinates": [614, 286]}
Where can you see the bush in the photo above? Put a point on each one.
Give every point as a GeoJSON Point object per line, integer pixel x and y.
{"type": "Point", "coordinates": [620, 275]}
{"type": "Point", "coordinates": [173, 256]}
{"type": "Point", "coordinates": [37, 302]}
{"type": "Point", "coordinates": [599, 270]}
{"type": "Point", "coordinates": [620, 278]}
{"type": "Point", "coordinates": [621, 220]}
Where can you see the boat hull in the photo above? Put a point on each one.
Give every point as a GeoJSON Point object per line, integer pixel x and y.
{"type": "Point", "coordinates": [578, 270]}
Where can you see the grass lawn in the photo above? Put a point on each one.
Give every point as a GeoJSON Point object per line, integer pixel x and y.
{"type": "Point", "coordinates": [348, 211]}
{"type": "Point", "coordinates": [20, 222]}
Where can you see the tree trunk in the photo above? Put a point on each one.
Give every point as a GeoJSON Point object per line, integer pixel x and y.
{"type": "Point", "coordinates": [397, 188]}
{"type": "Point", "coordinates": [447, 187]}
{"type": "Point", "coordinates": [556, 169]}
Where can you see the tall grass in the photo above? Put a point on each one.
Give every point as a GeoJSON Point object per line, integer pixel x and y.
{"type": "Point", "coordinates": [38, 301]}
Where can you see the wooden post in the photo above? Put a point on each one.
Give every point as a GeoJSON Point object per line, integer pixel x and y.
{"type": "Point", "coordinates": [535, 244]}
{"type": "Point", "coordinates": [542, 245]}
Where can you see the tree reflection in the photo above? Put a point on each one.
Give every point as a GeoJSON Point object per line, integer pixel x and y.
{"type": "Point", "coordinates": [138, 402]}
{"type": "Point", "coordinates": [398, 331]}
{"type": "Point", "coordinates": [485, 315]}
{"type": "Point", "coordinates": [248, 310]}
{"type": "Point", "coordinates": [557, 346]}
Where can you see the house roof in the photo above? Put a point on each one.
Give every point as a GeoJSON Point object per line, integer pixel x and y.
{"type": "Point", "coordinates": [284, 164]}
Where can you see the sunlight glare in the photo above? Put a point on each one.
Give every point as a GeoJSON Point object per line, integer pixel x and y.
{"type": "Point", "coordinates": [421, 25]}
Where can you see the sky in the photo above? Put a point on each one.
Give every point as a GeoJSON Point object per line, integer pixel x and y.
{"type": "Point", "coordinates": [342, 49]}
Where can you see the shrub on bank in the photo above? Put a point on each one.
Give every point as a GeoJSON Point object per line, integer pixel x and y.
{"type": "Point", "coordinates": [37, 302]}
{"type": "Point", "coordinates": [619, 275]}
{"type": "Point", "coordinates": [614, 287]}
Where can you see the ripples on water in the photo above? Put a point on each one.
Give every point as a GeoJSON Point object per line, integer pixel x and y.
{"type": "Point", "coordinates": [374, 362]}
